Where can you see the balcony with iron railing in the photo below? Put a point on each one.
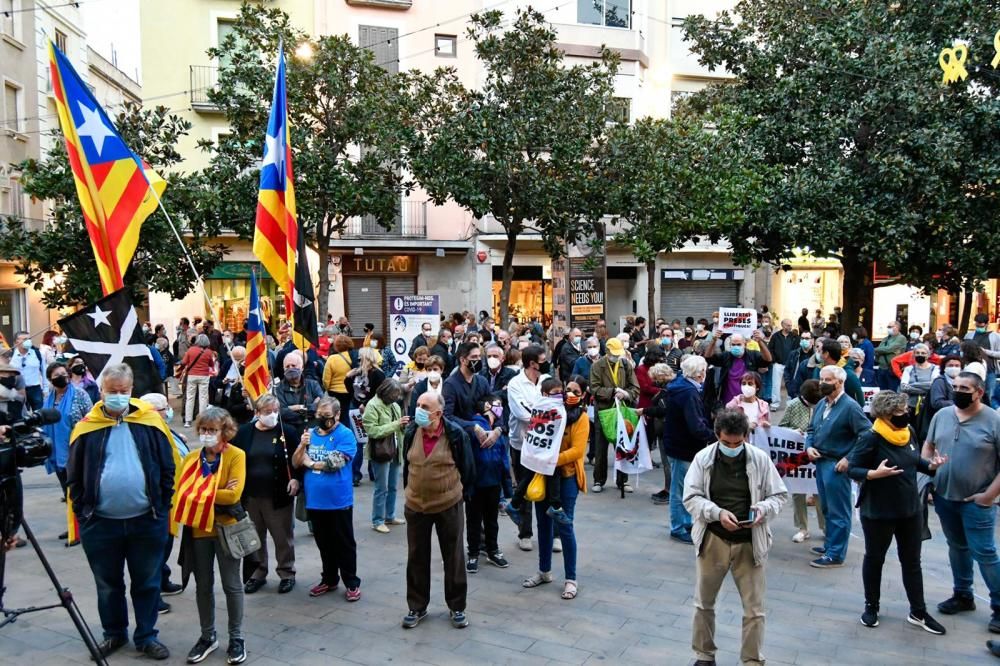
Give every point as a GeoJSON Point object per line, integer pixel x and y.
{"type": "Point", "coordinates": [203, 79]}
{"type": "Point", "coordinates": [410, 222]}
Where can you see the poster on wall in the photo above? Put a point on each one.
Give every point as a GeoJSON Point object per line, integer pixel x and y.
{"type": "Point", "coordinates": [586, 273]}
{"type": "Point", "coordinates": [406, 315]}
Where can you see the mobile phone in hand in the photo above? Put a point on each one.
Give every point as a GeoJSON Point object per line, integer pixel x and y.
{"type": "Point", "coordinates": [750, 520]}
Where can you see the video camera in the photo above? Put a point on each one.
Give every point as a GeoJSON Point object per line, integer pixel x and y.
{"type": "Point", "coordinates": [25, 445]}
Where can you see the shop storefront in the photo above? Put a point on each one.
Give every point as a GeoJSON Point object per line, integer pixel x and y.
{"type": "Point", "coordinates": [530, 293]}
{"type": "Point", "coordinates": [698, 292]}
{"type": "Point", "coordinates": [370, 281]}
{"type": "Point", "coordinates": [812, 283]}
{"type": "Point", "coordinates": [228, 288]}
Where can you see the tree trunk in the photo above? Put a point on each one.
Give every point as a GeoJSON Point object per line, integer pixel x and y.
{"type": "Point", "coordinates": [508, 274]}
{"type": "Point", "coordinates": [963, 325]}
{"type": "Point", "coordinates": [858, 294]}
{"type": "Point", "coordinates": [651, 291]}
{"type": "Point", "coordinates": [323, 296]}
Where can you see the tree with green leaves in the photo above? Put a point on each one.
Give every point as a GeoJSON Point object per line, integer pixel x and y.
{"type": "Point", "coordinates": [63, 246]}
{"type": "Point", "coordinates": [876, 160]}
{"type": "Point", "coordinates": [522, 147]}
{"type": "Point", "coordinates": [343, 124]}
{"type": "Point", "coordinates": [671, 182]}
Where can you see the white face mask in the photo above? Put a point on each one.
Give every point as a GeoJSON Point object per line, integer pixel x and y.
{"type": "Point", "coordinates": [268, 420]}
{"type": "Point", "coordinates": [208, 440]}
{"type": "Point", "coordinates": [952, 372]}
{"type": "Point", "coordinates": [748, 390]}
{"type": "Point", "coordinates": [699, 327]}
{"type": "Point", "coordinates": [434, 376]}
{"type": "Point", "coordinates": [493, 362]}
{"type": "Point", "coordinates": [593, 352]}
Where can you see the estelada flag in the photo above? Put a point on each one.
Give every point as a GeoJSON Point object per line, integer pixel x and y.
{"type": "Point", "coordinates": [114, 185]}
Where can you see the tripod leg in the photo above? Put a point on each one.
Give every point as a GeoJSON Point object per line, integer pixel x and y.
{"type": "Point", "coordinates": [67, 600]}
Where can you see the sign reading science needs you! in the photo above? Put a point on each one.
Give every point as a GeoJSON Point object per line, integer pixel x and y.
{"type": "Point", "coordinates": [578, 283]}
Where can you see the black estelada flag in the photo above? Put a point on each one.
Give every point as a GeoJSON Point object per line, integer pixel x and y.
{"type": "Point", "coordinates": [107, 333]}
{"type": "Point", "coordinates": [303, 296]}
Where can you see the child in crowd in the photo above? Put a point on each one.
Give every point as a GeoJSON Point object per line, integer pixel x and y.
{"type": "Point", "coordinates": [492, 483]}
{"type": "Point", "coordinates": [757, 410]}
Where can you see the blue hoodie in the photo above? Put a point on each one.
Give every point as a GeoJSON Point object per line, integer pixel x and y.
{"type": "Point", "coordinates": [686, 429]}
{"type": "Point", "coordinates": [493, 463]}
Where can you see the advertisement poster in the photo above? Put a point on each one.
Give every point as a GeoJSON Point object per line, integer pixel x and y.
{"type": "Point", "coordinates": [406, 315]}
{"type": "Point", "coordinates": [586, 272]}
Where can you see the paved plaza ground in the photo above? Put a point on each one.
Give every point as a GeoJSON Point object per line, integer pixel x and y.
{"type": "Point", "coordinates": [634, 606]}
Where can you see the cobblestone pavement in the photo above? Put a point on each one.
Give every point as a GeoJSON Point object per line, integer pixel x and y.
{"type": "Point", "coordinates": [634, 606]}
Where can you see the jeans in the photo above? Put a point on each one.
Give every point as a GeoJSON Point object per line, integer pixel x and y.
{"type": "Point", "coordinates": [206, 552]}
{"type": "Point", "coordinates": [521, 472]}
{"type": "Point", "coordinates": [357, 462]}
{"type": "Point", "coordinates": [878, 537]}
{"type": "Point", "coordinates": [680, 519]}
{"type": "Point", "coordinates": [968, 528]}
{"type": "Point", "coordinates": [887, 381]}
{"type": "Point", "coordinates": [112, 544]}
{"type": "Point", "coordinates": [766, 380]}
{"type": "Point", "coordinates": [384, 502]}
{"type": "Point", "coordinates": [546, 530]}
{"type": "Point", "coordinates": [34, 397]}
{"type": "Point", "coordinates": [991, 388]}
{"type": "Point", "coordinates": [835, 493]}
{"type": "Point", "coordinates": [168, 547]}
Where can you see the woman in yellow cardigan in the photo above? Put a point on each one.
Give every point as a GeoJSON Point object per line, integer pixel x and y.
{"type": "Point", "coordinates": [209, 481]}
{"type": "Point", "coordinates": [569, 468]}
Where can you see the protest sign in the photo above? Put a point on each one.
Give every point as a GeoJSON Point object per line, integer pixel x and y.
{"type": "Point", "coordinates": [540, 449]}
{"type": "Point", "coordinates": [870, 393]}
{"type": "Point", "coordinates": [788, 453]}
{"type": "Point", "coordinates": [632, 452]}
{"type": "Point", "coordinates": [738, 320]}
{"type": "Point", "coordinates": [406, 315]}
{"type": "Point", "coordinates": [358, 426]}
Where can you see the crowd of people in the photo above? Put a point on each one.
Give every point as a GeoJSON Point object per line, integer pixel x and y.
{"type": "Point", "coordinates": [450, 425]}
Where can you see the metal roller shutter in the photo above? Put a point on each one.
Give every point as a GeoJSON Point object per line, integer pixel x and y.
{"type": "Point", "coordinates": [364, 302]}
{"type": "Point", "coordinates": [681, 298]}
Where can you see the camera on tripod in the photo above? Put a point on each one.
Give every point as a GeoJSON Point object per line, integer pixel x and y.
{"type": "Point", "coordinates": [25, 445]}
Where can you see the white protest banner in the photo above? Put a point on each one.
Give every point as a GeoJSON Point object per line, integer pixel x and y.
{"type": "Point", "coordinates": [870, 393]}
{"type": "Point", "coordinates": [406, 315]}
{"type": "Point", "coordinates": [738, 320]}
{"type": "Point", "coordinates": [632, 453]}
{"type": "Point", "coordinates": [543, 438]}
{"type": "Point", "coordinates": [357, 426]}
{"type": "Point", "coordinates": [788, 453]}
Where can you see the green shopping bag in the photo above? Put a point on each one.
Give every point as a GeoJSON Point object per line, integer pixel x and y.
{"type": "Point", "coordinates": [609, 420]}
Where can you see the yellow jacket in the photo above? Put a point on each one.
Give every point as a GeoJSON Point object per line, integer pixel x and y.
{"type": "Point", "coordinates": [335, 372]}
{"type": "Point", "coordinates": [234, 466]}
{"type": "Point", "coordinates": [573, 449]}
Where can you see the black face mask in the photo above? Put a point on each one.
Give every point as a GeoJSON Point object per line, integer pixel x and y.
{"type": "Point", "coordinates": [60, 382]}
{"type": "Point", "coordinates": [545, 368]}
{"type": "Point", "coordinates": [920, 359]}
{"type": "Point", "coordinates": [475, 366]}
{"type": "Point", "coordinates": [79, 370]}
{"type": "Point", "coordinates": [8, 382]}
{"type": "Point", "coordinates": [900, 420]}
{"type": "Point", "coordinates": [961, 400]}
{"type": "Point", "coordinates": [327, 424]}
{"type": "Point", "coordinates": [827, 389]}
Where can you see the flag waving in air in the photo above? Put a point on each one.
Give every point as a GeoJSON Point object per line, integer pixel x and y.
{"type": "Point", "coordinates": [113, 183]}
{"type": "Point", "coordinates": [275, 238]}
{"type": "Point", "coordinates": [256, 377]}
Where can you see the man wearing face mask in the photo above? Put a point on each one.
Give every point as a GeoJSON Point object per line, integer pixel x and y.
{"type": "Point", "coordinates": [989, 341]}
{"type": "Point", "coordinates": [270, 490]}
{"type": "Point", "coordinates": [464, 391]}
{"type": "Point", "coordinates": [120, 476]}
{"type": "Point", "coordinates": [497, 376]}
{"type": "Point", "coordinates": [297, 394]}
{"type": "Point", "coordinates": [670, 348]}
{"type": "Point", "coordinates": [522, 391]}
{"type": "Point", "coordinates": [892, 345]}
{"type": "Point", "coordinates": [796, 370]}
{"type": "Point", "coordinates": [732, 491]}
{"type": "Point", "coordinates": [571, 350]}
{"type": "Point", "coordinates": [835, 426]}
{"type": "Point", "coordinates": [611, 378]}
{"type": "Point", "coordinates": [422, 339]}
{"type": "Point", "coordinates": [443, 349]}
{"type": "Point", "coordinates": [31, 363]}
{"type": "Point", "coordinates": [733, 364]}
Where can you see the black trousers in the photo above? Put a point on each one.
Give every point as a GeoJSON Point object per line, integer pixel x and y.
{"type": "Point", "coordinates": [334, 533]}
{"type": "Point", "coordinates": [522, 475]}
{"type": "Point", "coordinates": [481, 511]}
{"type": "Point", "coordinates": [878, 536]}
{"type": "Point", "coordinates": [601, 458]}
{"type": "Point", "coordinates": [448, 525]}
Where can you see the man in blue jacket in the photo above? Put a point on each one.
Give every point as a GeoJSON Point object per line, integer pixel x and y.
{"type": "Point", "coordinates": [686, 431]}
{"type": "Point", "coordinates": [836, 424]}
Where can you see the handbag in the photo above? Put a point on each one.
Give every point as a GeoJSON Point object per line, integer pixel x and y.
{"type": "Point", "coordinates": [239, 539]}
{"type": "Point", "coordinates": [383, 449]}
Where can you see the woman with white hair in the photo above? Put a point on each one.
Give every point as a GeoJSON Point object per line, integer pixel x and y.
{"type": "Point", "coordinates": [198, 365]}
{"type": "Point", "coordinates": [917, 378]}
{"type": "Point", "coordinates": [856, 360]}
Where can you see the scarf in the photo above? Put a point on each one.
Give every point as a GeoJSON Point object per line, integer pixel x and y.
{"type": "Point", "coordinates": [59, 431]}
{"type": "Point", "coordinates": [194, 497]}
{"type": "Point", "coordinates": [895, 436]}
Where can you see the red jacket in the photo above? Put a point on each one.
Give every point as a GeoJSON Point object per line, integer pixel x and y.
{"type": "Point", "coordinates": [905, 359]}
{"type": "Point", "coordinates": [647, 389]}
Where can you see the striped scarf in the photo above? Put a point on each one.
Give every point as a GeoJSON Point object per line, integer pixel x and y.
{"type": "Point", "coordinates": [194, 497]}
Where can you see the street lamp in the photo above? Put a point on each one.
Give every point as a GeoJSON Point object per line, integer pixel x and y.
{"type": "Point", "coordinates": [304, 51]}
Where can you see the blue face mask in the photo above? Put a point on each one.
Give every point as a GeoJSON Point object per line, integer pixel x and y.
{"type": "Point", "coordinates": [979, 329]}
{"type": "Point", "coordinates": [666, 342]}
{"type": "Point", "coordinates": [116, 402]}
{"type": "Point", "coordinates": [805, 344]}
{"type": "Point", "coordinates": [728, 452]}
{"type": "Point", "coordinates": [169, 416]}
{"type": "Point", "coordinates": [28, 344]}
{"type": "Point", "coordinates": [736, 351]}
{"type": "Point", "coordinates": [422, 417]}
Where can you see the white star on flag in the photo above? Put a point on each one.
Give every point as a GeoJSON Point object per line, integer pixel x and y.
{"type": "Point", "coordinates": [93, 127]}
{"type": "Point", "coordinates": [99, 316]}
{"type": "Point", "coordinates": [274, 151]}
{"type": "Point", "coordinates": [116, 351]}
{"type": "Point", "coordinates": [255, 315]}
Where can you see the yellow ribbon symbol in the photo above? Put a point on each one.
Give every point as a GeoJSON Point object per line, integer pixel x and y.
{"type": "Point", "coordinates": [952, 62]}
{"type": "Point", "coordinates": [996, 45]}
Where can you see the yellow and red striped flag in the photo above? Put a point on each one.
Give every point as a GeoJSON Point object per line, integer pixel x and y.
{"type": "Point", "coordinates": [194, 493]}
{"type": "Point", "coordinates": [275, 238]}
{"type": "Point", "coordinates": [114, 185]}
{"type": "Point", "coordinates": [256, 377]}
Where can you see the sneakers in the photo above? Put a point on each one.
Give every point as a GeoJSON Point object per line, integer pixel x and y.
{"type": "Point", "coordinates": [164, 607]}
{"type": "Point", "coordinates": [957, 604]}
{"type": "Point", "coordinates": [286, 585]}
{"type": "Point", "coordinates": [381, 528]}
{"type": "Point", "coordinates": [396, 521]}
{"type": "Point", "coordinates": [413, 618]}
{"type": "Point", "coordinates": [662, 497]}
{"type": "Point", "coordinates": [497, 559]}
{"type": "Point", "coordinates": [926, 622]}
{"type": "Point", "coordinates": [993, 647]}
{"type": "Point", "coordinates": [629, 488]}
{"type": "Point", "coordinates": [513, 514]}
{"type": "Point", "coordinates": [800, 536]}
{"type": "Point", "coordinates": [870, 617]}
{"type": "Point", "coordinates": [253, 585]}
{"type": "Point", "coordinates": [236, 653]}
{"type": "Point", "coordinates": [559, 515]}
{"type": "Point", "coordinates": [598, 488]}
{"type": "Point", "coordinates": [994, 625]}
{"type": "Point", "coordinates": [201, 650]}
{"type": "Point", "coordinates": [109, 646]}
{"type": "Point", "coordinates": [459, 620]}
{"type": "Point", "coordinates": [826, 563]}
{"type": "Point", "coordinates": [818, 550]}
{"type": "Point", "coordinates": [154, 649]}
{"type": "Point", "coordinates": [320, 589]}
{"type": "Point", "coordinates": [170, 588]}
{"type": "Point", "coordinates": [525, 545]}
{"type": "Point", "coordinates": [353, 594]}
{"type": "Point", "coordinates": [557, 545]}
{"type": "Point", "coordinates": [472, 565]}
{"type": "Point", "coordinates": [683, 537]}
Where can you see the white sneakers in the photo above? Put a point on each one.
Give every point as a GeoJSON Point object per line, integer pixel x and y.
{"type": "Point", "coordinates": [629, 488]}
{"type": "Point", "coordinates": [800, 536]}
{"type": "Point", "coordinates": [557, 545]}
{"type": "Point", "coordinates": [381, 528]}
{"type": "Point", "coordinates": [525, 544]}
{"type": "Point", "coordinates": [597, 488]}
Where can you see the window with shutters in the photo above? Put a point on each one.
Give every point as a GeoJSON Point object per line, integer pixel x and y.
{"type": "Point", "coordinates": [383, 43]}
{"type": "Point", "coordinates": [13, 116]}
{"type": "Point", "coordinates": [696, 298]}
{"type": "Point", "coordinates": [61, 40]}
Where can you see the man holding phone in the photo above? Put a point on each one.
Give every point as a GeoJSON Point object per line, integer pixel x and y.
{"type": "Point", "coordinates": [731, 490]}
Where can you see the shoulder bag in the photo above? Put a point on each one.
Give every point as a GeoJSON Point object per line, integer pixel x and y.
{"type": "Point", "coordinates": [239, 539]}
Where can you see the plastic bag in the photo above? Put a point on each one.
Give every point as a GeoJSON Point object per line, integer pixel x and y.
{"type": "Point", "coordinates": [536, 489]}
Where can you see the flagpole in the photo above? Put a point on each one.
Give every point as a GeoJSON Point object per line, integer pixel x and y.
{"type": "Point", "coordinates": [187, 255]}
